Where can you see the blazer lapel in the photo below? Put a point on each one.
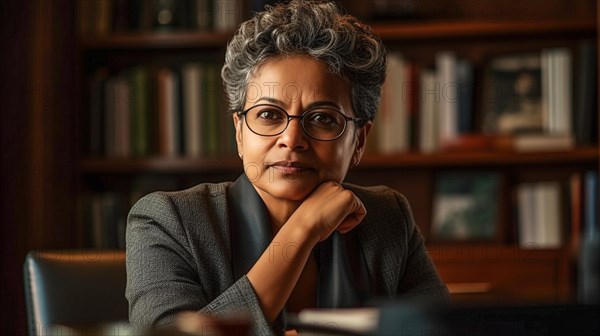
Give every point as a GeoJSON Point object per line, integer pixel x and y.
{"type": "Point", "coordinates": [380, 254]}
{"type": "Point", "coordinates": [250, 230]}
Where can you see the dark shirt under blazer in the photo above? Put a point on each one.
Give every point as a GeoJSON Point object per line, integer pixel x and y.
{"type": "Point", "coordinates": [179, 255]}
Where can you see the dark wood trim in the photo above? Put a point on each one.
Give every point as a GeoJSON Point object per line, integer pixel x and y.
{"type": "Point", "coordinates": [377, 161]}
{"type": "Point", "coordinates": [388, 32]}
{"type": "Point", "coordinates": [153, 40]}
{"type": "Point", "coordinates": [484, 29]}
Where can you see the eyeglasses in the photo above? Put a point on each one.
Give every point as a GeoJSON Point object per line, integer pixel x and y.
{"type": "Point", "coordinates": [321, 123]}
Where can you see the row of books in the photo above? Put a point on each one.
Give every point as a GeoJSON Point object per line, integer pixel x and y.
{"type": "Point", "coordinates": [548, 214]}
{"type": "Point", "coordinates": [543, 206]}
{"type": "Point", "coordinates": [104, 213]}
{"type": "Point", "coordinates": [105, 220]}
{"type": "Point", "coordinates": [102, 17]}
{"type": "Point", "coordinates": [467, 207]}
{"type": "Point", "coordinates": [166, 111]}
{"type": "Point", "coordinates": [529, 97]}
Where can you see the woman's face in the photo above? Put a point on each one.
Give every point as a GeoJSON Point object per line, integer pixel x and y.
{"type": "Point", "coordinates": [289, 166]}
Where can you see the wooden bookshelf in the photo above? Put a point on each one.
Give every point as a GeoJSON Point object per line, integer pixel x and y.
{"type": "Point", "coordinates": [484, 158]}
{"type": "Point", "coordinates": [412, 173]}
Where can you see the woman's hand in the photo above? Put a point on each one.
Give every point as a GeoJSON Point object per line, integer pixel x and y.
{"type": "Point", "coordinates": [329, 207]}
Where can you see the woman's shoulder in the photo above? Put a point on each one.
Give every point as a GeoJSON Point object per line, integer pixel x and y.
{"type": "Point", "coordinates": [202, 190]}
{"type": "Point", "coordinates": [199, 194]}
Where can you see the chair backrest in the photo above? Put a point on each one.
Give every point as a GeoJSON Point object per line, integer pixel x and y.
{"type": "Point", "coordinates": [74, 287]}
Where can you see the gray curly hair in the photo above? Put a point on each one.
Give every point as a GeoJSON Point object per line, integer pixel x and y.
{"type": "Point", "coordinates": [315, 28]}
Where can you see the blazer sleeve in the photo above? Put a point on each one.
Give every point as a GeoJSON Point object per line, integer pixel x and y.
{"type": "Point", "coordinates": [163, 277]}
{"type": "Point", "coordinates": [420, 280]}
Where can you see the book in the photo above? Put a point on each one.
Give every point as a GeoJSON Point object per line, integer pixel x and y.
{"type": "Point", "coordinates": [123, 117]}
{"type": "Point", "coordinates": [109, 120]}
{"type": "Point", "coordinates": [556, 90]}
{"type": "Point", "coordinates": [96, 117]}
{"type": "Point", "coordinates": [106, 215]}
{"type": "Point", "coordinates": [464, 80]}
{"type": "Point", "coordinates": [539, 215]}
{"type": "Point", "coordinates": [526, 215]}
{"type": "Point", "coordinates": [392, 124]}
{"type": "Point", "coordinates": [591, 204]}
{"type": "Point", "coordinates": [428, 123]}
{"type": "Point", "coordinates": [586, 112]}
{"type": "Point", "coordinates": [448, 107]}
{"type": "Point", "coordinates": [227, 14]}
{"type": "Point", "coordinates": [210, 95]}
{"type": "Point", "coordinates": [141, 113]}
{"type": "Point", "coordinates": [168, 116]}
{"type": "Point", "coordinates": [192, 75]}
{"type": "Point", "coordinates": [201, 17]}
{"type": "Point", "coordinates": [575, 211]}
{"type": "Point", "coordinates": [541, 142]}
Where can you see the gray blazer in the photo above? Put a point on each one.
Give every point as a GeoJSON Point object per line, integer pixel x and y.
{"type": "Point", "coordinates": [179, 255]}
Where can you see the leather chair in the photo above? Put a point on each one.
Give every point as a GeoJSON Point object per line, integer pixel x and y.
{"type": "Point", "coordinates": [74, 287]}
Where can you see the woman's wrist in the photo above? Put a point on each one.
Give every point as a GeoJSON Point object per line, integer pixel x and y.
{"type": "Point", "coordinates": [301, 229]}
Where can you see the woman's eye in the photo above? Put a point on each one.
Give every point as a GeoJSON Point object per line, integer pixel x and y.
{"type": "Point", "coordinates": [323, 119]}
{"type": "Point", "coordinates": [269, 115]}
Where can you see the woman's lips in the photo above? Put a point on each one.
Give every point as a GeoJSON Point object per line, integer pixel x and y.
{"type": "Point", "coordinates": [290, 167]}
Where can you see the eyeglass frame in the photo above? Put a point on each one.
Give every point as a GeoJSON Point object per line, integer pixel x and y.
{"type": "Point", "coordinates": [358, 121]}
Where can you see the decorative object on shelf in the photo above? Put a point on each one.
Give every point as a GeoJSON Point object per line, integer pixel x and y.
{"type": "Point", "coordinates": [530, 92]}
{"type": "Point", "coordinates": [466, 206]}
{"type": "Point", "coordinates": [514, 97]}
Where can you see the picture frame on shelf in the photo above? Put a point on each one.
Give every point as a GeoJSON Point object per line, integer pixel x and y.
{"type": "Point", "coordinates": [513, 94]}
{"type": "Point", "coordinates": [466, 206]}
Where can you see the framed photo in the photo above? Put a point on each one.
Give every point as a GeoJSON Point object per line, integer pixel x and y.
{"type": "Point", "coordinates": [466, 206]}
{"type": "Point", "coordinates": [513, 94]}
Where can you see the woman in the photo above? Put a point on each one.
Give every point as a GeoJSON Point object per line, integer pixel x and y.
{"type": "Point", "coordinates": [304, 82]}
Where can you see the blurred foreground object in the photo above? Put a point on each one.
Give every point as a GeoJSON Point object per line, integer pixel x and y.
{"type": "Point", "coordinates": [195, 324]}
{"type": "Point", "coordinates": [74, 287]}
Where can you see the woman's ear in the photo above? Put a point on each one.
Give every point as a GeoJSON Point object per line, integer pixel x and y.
{"type": "Point", "coordinates": [237, 123]}
{"type": "Point", "coordinates": [361, 135]}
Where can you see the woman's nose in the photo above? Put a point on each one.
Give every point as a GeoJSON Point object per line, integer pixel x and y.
{"type": "Point", "coordinates": [293, 137]}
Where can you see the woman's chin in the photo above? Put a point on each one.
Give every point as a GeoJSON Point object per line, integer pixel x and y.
{"type": "Point", "coordinates": [291, 190]}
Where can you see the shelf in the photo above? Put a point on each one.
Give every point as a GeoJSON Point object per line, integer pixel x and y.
{"type": "Point", "coordinates": [489, 252]}
{"type": "Point", "coordinates": [388, 32]}
{"type": "Point", "coordinates": [157, 40]}
{"type": "Point", "coordinates": [483, 29]}
{"type": "Point", "coordinates": [588, 155]}
{"type": "Point", "coordinates": [162, 165]}
{"type": "Point", "coordinates": [232, 164]}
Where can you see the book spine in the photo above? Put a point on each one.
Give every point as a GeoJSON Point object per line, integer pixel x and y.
{"type": "Point", "coordinates": [446, 67]}
{"type": "Point", "coordinates": [428, 121]}
{"type": "Point", "coordinates": [212, 85]}
{"type": "Point", "coordinates": [192, 75]}
{"type": "Point", "coordinates": [586, 112]}
{"type": "Point", "coordinates": [140, 112]}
